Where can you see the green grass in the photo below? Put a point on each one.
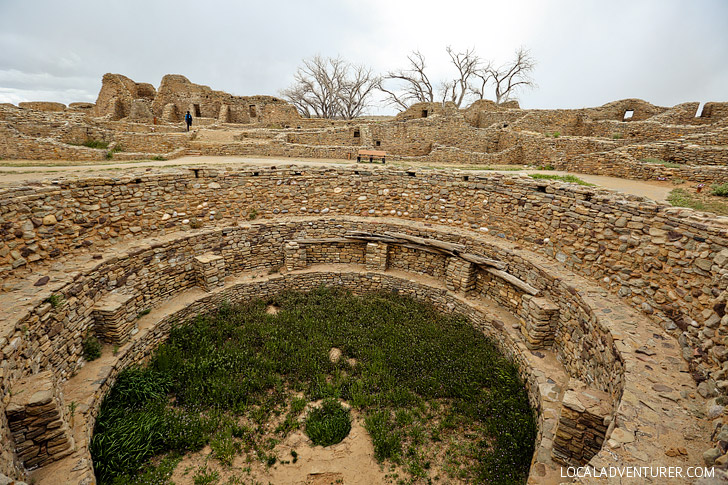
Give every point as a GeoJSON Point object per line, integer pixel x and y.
{"type": "Point", "coordinates": [56, 300]}
{"type": "Point", "coordinates": [617, 136]}
{"type": "Point", "coordinates": [659, 161]}
{"type": "Point", "coordinates": [91, 143]}
{"type": "Point", "coordinates": [563, 178]}
{"type": "Point", "coordinates": [720, 190]}
{"type": "Point", "coordinates": [219, 379]}
{"type": "Point", "coordinates": [91, 348]}
{"type": "Point", "coordinates": [328, 424]}
{"type": "Point", "coordinates": [205, 477]}
{"type": "Point", "coordinates": [683, 198]}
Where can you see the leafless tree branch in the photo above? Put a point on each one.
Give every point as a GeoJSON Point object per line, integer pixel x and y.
{"type": "Point", "coordinates": [509, 77]}
{"type": "Point", "coordinates": [330, 87]}
{"type": "Point", "coordinates": [466, 63]}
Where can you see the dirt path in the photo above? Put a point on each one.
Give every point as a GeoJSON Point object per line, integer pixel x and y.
{"type": "Point", "coordinates": [15, 171]}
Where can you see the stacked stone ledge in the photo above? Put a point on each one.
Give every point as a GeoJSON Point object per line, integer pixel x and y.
{"type": "Point", "coordinates": [115, 318]}
{"type": "Point", "coordinates": [295, 256]}
{"type": "Point", "coordinates": [460, 275]}
{"type": "Point", "coordinates": [582, 426]}
{"type": "Point", "coordinates": [377, 255]}
{"type": "Point", "coordinates": [37, 422]}
{"type": "Point", "coordinates": [539, 320]}
{"type": "Point", "coordinates": [209, 271]}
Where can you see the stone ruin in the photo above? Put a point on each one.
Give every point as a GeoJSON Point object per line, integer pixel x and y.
{"type": "Point", "coordinates": [619, 138]}
{"type": "Point", "coordinates": [120, 98]}
{"type": "Point", "coordinates": [613, 306]}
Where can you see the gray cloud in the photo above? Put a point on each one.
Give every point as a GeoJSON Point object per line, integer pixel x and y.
{"type": "Point", "coordinates": [588, 53]}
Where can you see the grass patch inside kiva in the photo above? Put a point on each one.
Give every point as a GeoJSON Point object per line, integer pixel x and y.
{"type": "Point", "coordinates": [436, 396]}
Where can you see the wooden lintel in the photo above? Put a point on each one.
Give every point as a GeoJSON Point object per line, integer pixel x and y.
{"type": "Point", "coordinates": [518, 283]}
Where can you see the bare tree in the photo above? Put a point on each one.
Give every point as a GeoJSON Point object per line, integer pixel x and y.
{"type": "Point", "coordinates": [356, 91]}
{"type": "Point", "coordinates": [330, 87]}
{"type": "Point", "coordinates": [466, 63]}
{"type": "Point", "coordinates": [508, 78]}
{"type": "Point", "coordinates": [417, 87]}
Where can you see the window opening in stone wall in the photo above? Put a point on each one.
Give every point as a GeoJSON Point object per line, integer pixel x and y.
{"type": "Point", "coordinates": [424, 113]}
{"type": "Point", "coordinates": [377, 143]}
{"type": "Point", "coordinates": [356, 133]}
{"type": "Point", "coordinates": [628, 115]}
{"type": "Point", "coordinates": [253, 111]}
{"type": "Point", "coordinates": [197, 110]}
{"type": "Point", "coordinates": [700, 110]}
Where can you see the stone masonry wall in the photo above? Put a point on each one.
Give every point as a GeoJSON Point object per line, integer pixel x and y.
{"type": "Point", "coordinates": [661, 260]}
{"type": "Point", "coordinates": [51, 336]}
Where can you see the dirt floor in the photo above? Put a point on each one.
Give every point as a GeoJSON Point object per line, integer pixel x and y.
{"type": "Point", "coordinates": [14, 171]}
{"type": "Point", "coordinates": [349, 462]}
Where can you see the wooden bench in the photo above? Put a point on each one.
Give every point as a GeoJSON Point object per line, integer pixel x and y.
{"type": "Point", "coordinates": [372, 154]}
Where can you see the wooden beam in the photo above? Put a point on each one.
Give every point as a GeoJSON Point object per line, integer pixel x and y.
{"type": "Point", "coordinates": [518, 283]}
{"type": "Point", "coordinates": [482, 261]}
{"type": "Point", "coordinates": [429, 245]}
{"type": "Point", "coordinates": [323, 240]}
{"type": "Point", "coordinates": [427, 242]}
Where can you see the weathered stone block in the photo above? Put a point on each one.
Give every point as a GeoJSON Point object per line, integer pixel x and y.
{"type": "Point", "coordinates": [582, 427]}
{"type": "Point", "coordinates": [295, 256]}
{"type": "Point", "coordinates": [377, 255]}
{"type": "Point", "coordinates": [539, 319]}
{"type": "Point", "coordinates": [42, 434]}
{"type": "Point", "coordinates": [209, 271]}
{"type": "Point", "coordinates": [115, 317]}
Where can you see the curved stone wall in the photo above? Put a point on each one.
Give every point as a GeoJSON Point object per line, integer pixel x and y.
{"type": "Point", "coordinates": [358, 283]}
{"type": "Point", "coordinates": [668, 262]}
{"type": "Point", "coordinates": [596, 341]}
{"type": "Point", "coordinates": [148, 276]}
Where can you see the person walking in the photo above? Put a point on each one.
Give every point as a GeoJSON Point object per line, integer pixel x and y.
{"type": "Point", "coordinates": [188, 120]}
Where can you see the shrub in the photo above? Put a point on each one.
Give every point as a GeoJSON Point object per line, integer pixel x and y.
{"type": "Point", "coordinates": [719, 190]}
{"type": "Point", "coordinates": [99, 144]}
{"type": "Point", "coordinates": [55, 300]}
{"type": "Point", "coordinates": [224, 448]}
{"type": "Point", "coordinates": [328, 424]}
{"type": "Point", "coordinates": [205, 477]}
{"type": "Point", "coordinates": [158, 158]}
{"type": "Point", "coordinates": [617, 136]}
{"type": "Point", "coordinates": [91, 348]}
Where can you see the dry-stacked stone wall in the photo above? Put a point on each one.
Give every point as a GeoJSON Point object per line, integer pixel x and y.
{"type": "Point", "coordinates": [660, 259]}
{"type": "Point", "coordinates": [124, 286]}
{"type": "Point", "coordinates": [669, 263]}
{"type": "Point", "coordinates": [51, 335]}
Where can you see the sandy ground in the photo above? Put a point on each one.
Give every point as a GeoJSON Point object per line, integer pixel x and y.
{"type": "Point", "coordinates": [18, 171]}
{"type": "Point", "coordinates": [350, 462]}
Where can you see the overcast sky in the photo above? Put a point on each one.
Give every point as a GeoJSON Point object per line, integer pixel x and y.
{"type": "Point", "coordinates": [588, 52]}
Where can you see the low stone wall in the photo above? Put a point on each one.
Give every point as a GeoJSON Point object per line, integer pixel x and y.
{"type": "Point", "coordinates": [584, 334]}
{"type": "Point", "coordinates": [659, 259]}
{"type": "Point", "coordinates": [148, 276]}
{"type": "Point", "coordinates": [623, 165]}
{"type": "Point", "coordinates": [37, 421]}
